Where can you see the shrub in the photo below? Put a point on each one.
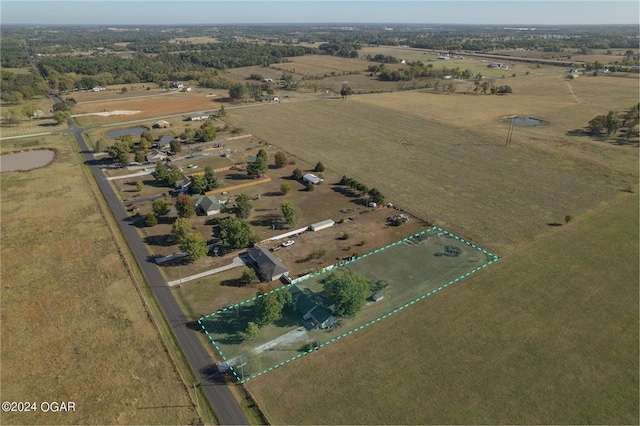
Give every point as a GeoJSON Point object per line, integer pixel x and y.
{"type": "Point", "coordinates": [150, 220]}
{"type": "Point", "coordinates": [345, 236]}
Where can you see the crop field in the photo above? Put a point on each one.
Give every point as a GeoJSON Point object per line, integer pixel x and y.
{"type": "Point", "coordinates": [547, 335]}
{"type": "Point", "coordinates": [433, 170]}
{"type": "Point", "coordinates": [73, 325]}
{"type": "Point", "coordinates": [413, 268]}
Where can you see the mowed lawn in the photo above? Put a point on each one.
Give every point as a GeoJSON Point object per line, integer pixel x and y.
{"type": "Point", "coordinates": [463, 180]}
{"type": "Point", "coordinates": [547, 335]}
{"type": "Point", "coordinates": [73, 326]}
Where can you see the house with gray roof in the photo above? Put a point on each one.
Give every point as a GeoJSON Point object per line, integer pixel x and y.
{"type": "Point", "coordinates": [164, 144]}
{"type": "Point", "coordinates": [208, 205]}
{"type": "Point", "coordinates": [310, 310]}
{"type": "Point", "coordinates": [268, 266]}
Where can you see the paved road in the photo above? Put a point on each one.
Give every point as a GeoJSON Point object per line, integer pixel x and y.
{"type": "Point", "coordinates": [224, 404]}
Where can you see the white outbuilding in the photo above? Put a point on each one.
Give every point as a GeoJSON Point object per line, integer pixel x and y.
{"type": "Point", "coordinates": [322, 225]}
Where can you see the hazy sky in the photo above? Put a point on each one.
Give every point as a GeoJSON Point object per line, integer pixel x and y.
{"type": "Point", "coordinates": [151, 12]}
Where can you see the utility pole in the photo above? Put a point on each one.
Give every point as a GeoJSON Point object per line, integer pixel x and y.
{"type": "Point", "coordinates": [196, 393]}
{"type": "Point", "coordinates": [510, 132]}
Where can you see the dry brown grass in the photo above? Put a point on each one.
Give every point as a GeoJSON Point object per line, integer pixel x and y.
{"type": "Point", "coordinates": [73, 326]}
{"type": "Point", "coordinates": [547, 335]}
{"type": "Point", "coordinates": [150, 107]}
{"type": "Point", "coordinates": [459, 178]}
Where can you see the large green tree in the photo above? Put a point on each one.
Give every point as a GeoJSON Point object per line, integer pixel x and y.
{"type": "Point", "coordinates": [280, 160]}
{"type": "Point", "coordinates": [236, 233]}
{"type": "Point", "coordinates": [243, 206]}
{"type": "Point", "coordinates": [206, 132]}
{"type": "Point", "coordinates": [346, 291]}
{"type": "Point", "coordinates": [119, 152]}
{"type": "Point", "coordinates": [269, 304]}
{"type": "Point", "coordinates": [160, 207]}
{"type": "Point", "coordinates": [259, 167]}
{"type": "Point", "coordinates": [289, 213]}
{"type": "Point", "coordinates": [210, 179]}
{"type": "Point", "coordinates": [198, 185]}
{"type": "Point", "coordinates": [180, 229]}
{"type": "Point", "coordinates": [194, 245]}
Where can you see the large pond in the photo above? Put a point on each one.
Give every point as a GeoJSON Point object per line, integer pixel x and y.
{"type": "Point", "coordinates": [26, 160]}
{"type": "Point", "coordinates": [125, 132]}
{"type": "Point", "coordinates": [526, 121]}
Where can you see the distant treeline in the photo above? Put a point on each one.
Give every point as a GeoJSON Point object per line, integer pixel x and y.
{"type": "Point", "coordinates": [14, 88]}
{"type": "Point", "coordinates": [66, 71]}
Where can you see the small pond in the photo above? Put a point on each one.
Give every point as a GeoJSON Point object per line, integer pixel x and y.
{"type": "Point", "coordinates": [26, 160]}
{"type": "Point", "coordinates": [125, 132]}
{"type": "Point", "coordinates": [526, 121]}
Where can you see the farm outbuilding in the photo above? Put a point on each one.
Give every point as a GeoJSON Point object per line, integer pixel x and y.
{"type": "Point", "coordinates": [268, 266]}
{"type": "Point", "coordinates": [378, 296]}
{"type": "Point", "coordinates": [161, 124]}
{"type": "Point", "coordinates": [198, 117]}
{"type": "Point", "coordinates": [311, 178]}
{"type": "Point", "coordinates": [322, 225]}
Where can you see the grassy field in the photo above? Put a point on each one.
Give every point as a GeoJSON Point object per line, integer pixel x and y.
{"type": "Point", "coordinates": [411, 269]}
{"type": "Point", "coordinates": [458, 178]}
{"type": "Point", "coordinates": [548, 335]}
{"type": "Point", "coordinates": [73, 325]}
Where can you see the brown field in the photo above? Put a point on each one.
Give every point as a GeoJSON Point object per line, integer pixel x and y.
{"type": "Point", "coordinates": [547, 335]}
{"type": "Point", "coordinates": [74, 328]}
{"type": "Point", "coordinates": [149, 107]}
{"type": "Point", "coordinates": [490, 201]}
{"type": "Point", "coordinates": [442, 158]}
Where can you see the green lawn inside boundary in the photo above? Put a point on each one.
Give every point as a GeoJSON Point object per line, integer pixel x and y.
{"type": "Point", "coordinates": [414, 268]}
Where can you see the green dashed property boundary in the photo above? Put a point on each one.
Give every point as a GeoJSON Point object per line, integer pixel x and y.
{"type": "Point", "coordinates": [493, 259]}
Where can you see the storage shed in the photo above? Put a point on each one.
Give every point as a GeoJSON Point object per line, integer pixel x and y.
{"type": "Point", "coordinates": [311, 178]}
{"type": "Point", "coordinates": [322, 225]}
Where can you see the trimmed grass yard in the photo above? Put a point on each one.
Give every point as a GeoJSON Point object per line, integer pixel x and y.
{"type": "Point", "coordinates": [412, 269]}
{"type": "Point", "coordinates": [547, 335]}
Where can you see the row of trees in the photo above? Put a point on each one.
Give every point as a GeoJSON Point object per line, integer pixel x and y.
{"type": "Point", "coordinates": [375, 195]}
{"type": "Point", "coordinates": [613, 121]}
